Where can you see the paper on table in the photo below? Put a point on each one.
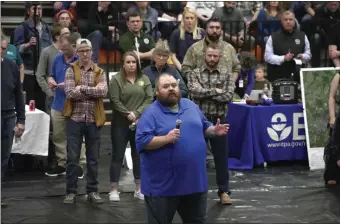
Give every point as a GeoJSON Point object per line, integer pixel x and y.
{"type": "Point", "coordinates": [240, 102]}
{"type": "Point", "coordinates": [161, 19]}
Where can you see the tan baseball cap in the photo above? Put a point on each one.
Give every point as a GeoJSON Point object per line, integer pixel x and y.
{"type": "Point", "coordinates": [83, 43]}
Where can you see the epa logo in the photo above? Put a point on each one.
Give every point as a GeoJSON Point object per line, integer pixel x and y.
{"type": "Point", "coordinates": [279, 130]}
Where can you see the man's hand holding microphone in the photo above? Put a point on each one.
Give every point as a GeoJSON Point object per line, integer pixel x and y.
{"type": "Point", "coordinates": [175, 133]}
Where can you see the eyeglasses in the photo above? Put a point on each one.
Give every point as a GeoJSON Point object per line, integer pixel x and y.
{"type": "Point", "coordinates": [162, 56]}
{"type": "Point", "coordinates": [84, 51]}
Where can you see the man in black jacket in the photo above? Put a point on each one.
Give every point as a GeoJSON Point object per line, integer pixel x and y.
{"type": "Point", "coordinates": [101, 28]}
{"type": "Point", "coordinates": [12, 110]}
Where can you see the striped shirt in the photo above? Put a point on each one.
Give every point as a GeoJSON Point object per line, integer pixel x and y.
{"type": "Point", "coordinates": [84, 100]}
{"type": "Point", "coordinates": [202, 84]}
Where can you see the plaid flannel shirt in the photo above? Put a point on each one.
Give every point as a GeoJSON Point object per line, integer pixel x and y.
{"type": "Point", "coordinates": [83, 101]}
{"type": "Point", "coordinates": [202, 85]}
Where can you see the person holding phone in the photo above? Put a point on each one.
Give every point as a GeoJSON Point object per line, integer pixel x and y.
{"type": "Point", "coordinates": [56, 83]}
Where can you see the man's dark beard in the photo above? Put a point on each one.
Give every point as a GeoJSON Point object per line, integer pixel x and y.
{"type": "Point", "coordinates": [211, 65]}
{"type": "Point", "coordinates": [213, 38]}
{"type": "Point", "coordinates": [167, 102]}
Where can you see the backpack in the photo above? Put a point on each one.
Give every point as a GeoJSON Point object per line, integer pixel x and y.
{"type": "Point", "coordinates": [26, 33]}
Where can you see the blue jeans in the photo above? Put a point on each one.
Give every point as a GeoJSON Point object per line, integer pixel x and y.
{"type": "Point", "coordinates": [219, 150]}
{"type": "Point", "coordinates": [7, 133]}
{"type": "Point", "coordinates": [75, 133]}
{"type": "Point", "coordinates": [191, 208]}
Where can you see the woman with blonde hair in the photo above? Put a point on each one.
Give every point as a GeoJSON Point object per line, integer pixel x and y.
{"type": "Point", "coordinates": [186, 35]}
{"type": "Point", "coordinates": [130, 94]}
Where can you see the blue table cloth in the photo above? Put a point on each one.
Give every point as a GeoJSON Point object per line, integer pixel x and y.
{"type": "Point", "coordinates": [261, 134]}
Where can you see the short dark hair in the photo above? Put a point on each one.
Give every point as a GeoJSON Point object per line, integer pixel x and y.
{"type": "Point", "coordinates": [28, 6]}
{"type": "Point", "coordinates": [213, 46]}
{"type": "Point", "coordinates": [213, 20]}
{"type": "Point", "coordinates": [55, 31]}
{"type": "Point", "coordinates": [247, 60]}
{"type": "Point", "coordinates": [72, 38]}
{"type": "Point", "coordinates": [260, 67]}
{"type": "Point", "coordinates": [132, 13]}
{"type": "Point", "coordinates": [159, 77]}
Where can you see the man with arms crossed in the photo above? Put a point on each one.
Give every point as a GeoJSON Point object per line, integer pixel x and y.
{"type": "Point", "coordinates": [211, 87]}
{"type": "Point", "coordinates": [85, 88]}
{"type": "Point", "coordinates": [173, 170]}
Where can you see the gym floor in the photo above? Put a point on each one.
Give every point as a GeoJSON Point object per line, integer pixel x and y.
{"type": "Point", "coordinates": [276, 194]}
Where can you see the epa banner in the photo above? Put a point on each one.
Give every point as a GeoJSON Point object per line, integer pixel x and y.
{"type": "Point", "coordinates": [281, 133]}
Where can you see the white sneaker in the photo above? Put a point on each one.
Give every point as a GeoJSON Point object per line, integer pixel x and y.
{"type": "Point", "coordinates": [114, 195]}
{"type": "Point", "coordinates": [139, 195]}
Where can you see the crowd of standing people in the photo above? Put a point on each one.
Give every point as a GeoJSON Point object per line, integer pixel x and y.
{"type": "Point", "coordinates": [150, 93]}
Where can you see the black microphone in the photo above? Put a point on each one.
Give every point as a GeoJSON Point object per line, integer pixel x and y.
{"type": "Point", "coordinates": [178, 124]}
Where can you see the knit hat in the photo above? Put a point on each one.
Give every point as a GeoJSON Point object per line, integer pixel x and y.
{"type": "Point", "coordinates": [62, 12]}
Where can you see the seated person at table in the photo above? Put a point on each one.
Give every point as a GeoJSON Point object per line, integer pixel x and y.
{"type": "Point", "coordinates": [145, 43]}
{"type": "Point", "coordinates": [260, 81]}
{"type": "Point", "coordinates": [186, 35]}
{"type": "Point", "coordinates": [159, 66]}
{"type": "Point", "coordinates": [245, 81]}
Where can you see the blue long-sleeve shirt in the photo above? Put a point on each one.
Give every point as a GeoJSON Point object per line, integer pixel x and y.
{"type": "Point", "coordinates": [66, 4]}
{"type": "Point", "coordinates": [58, 71]}
{"type": "Point", "coordinates": [249, 76]}
{"type": "Point", "coordinates": [267, 24]}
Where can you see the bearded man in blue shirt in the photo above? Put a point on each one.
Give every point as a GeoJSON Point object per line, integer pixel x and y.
{"type": "Point", "coordinates": [173, 166]}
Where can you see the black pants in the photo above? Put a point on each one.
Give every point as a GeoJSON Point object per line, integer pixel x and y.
{"type": "Point", "coordinates": [7, 133]}
{"type": "Point", "coordinates": [219, 150]}
{"type": "Point", "coordinates": [75, 133]}
{"type": "Point", "coordinates": [332, 171]}
{"type": "Point", "coordinates": [34, 92]}
{"type": "Point", "coordinates": [191, 208]}
{"type": "Point", "coordinates": [120, 136]}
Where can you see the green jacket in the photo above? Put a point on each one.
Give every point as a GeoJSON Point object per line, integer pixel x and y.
{"type": "Point", "coordinates": [129, 97]}
{"type": "Point", "coordinates": [194, 57]}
